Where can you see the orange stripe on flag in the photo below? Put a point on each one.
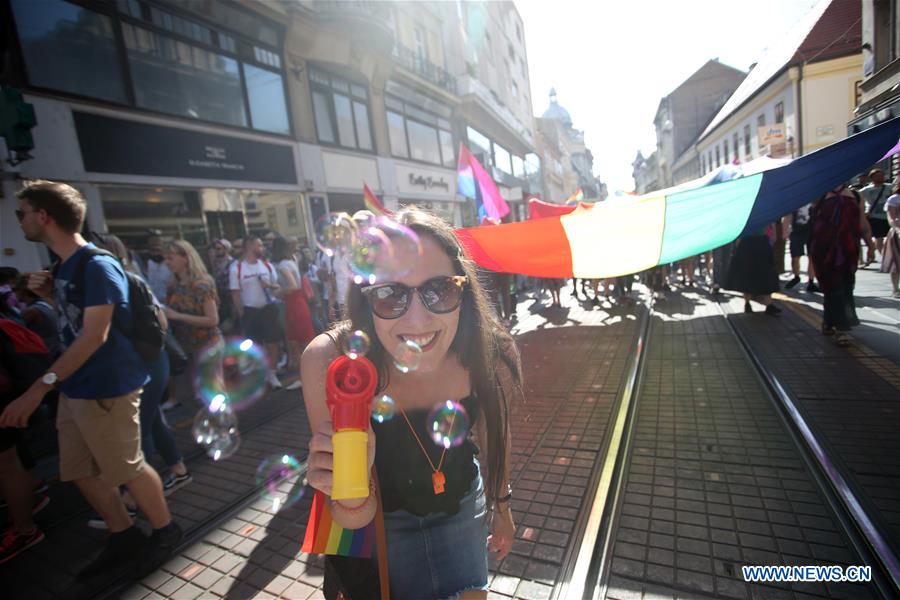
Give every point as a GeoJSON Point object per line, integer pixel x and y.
{"type": "Point", "coordinates": [373, 204]}
{"type": "Point", "coordinates": [538, 248]}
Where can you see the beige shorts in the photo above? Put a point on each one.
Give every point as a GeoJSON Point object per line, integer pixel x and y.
{"type": "Point", "coordinates": [100, 437]}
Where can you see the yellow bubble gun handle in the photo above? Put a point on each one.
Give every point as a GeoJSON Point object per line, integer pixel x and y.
{"type": "Point", "coordinates": [349, 388]}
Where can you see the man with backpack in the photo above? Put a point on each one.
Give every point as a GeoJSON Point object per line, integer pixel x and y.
{"type": "Point", "coordinates": [100, 375]}
{"type": "Point", "coordinates": [253, 284]}
{"type": "Point", "coordinates": [875, 196]}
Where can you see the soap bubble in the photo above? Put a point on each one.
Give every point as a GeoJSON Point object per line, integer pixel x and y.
{"type": "Point", "coordinates": [215, 428]}
{"type": "Point", "coordinates": [276, 479]}
{"type": "Point", "coordinates": [371, 256]}
{"type": "Point", "coordinates": [356, 344]}
{"type": "Point", "coordinates": [236, 370]}
{"type": "Point", "coordinates": [407, 356]}
{"type": "Point", "coordinates": [405, 246]}
{"type": "Point", "coordinates": [335, 233]}
{"type": "Point", "coordinates": [383, 408]}
{"type": "Point", "coordinates": [448, 424]}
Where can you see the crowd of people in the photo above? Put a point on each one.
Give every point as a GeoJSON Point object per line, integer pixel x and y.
{"type": "Point", "coordinates": [70, 348]}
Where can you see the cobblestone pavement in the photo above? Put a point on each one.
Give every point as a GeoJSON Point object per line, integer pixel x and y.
{"type": "Point", "coordinates": [714, 481]}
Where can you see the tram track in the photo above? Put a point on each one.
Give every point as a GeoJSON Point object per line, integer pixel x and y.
{"type": "Point", "coordinates": [587, 571]}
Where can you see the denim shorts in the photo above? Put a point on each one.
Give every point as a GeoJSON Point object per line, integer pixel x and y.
{"type": "Point", "coordinates": [439, 555]}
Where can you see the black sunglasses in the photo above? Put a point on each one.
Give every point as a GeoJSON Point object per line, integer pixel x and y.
{"type": "Point", "coordinates": [440, 295]}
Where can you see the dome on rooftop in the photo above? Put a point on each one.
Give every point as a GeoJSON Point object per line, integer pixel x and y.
{"type": "Point", "coordinates": [555, 111]}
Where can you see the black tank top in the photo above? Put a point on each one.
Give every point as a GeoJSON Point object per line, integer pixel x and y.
{"type": "Point", "coordinates": [404, 473]}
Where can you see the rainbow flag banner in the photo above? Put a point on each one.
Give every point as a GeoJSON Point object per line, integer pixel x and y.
{"type": "Point", "coordinates": [631, 234]}
{"type": "Point", "coordinates": [324, 536]}
{"type": "Point", "coordinates": [373, 204]}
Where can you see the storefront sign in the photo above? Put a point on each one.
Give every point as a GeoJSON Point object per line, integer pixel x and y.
{"type": "Point", "coordinates": [428, 182]}
{"type": "Point", "coordinates": [111, 145]}
{"type": "Point", "coordinates": [770, 134]}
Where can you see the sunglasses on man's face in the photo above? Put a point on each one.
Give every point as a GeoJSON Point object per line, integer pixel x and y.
{"type": "Point", "coordinates": [440, 295]}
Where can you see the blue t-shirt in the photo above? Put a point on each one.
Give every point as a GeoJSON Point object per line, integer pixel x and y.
{"type": "Point", "coordinates": [115, 369]}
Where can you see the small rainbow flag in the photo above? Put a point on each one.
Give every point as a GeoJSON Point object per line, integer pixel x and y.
{"type": "Point", "coordinates": [324, 536]}
{"type": "Point", "coordinates": [373, 204]}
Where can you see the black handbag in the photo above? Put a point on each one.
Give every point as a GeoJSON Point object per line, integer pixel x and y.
{"type": "Point", "coordinates": [178, 360]}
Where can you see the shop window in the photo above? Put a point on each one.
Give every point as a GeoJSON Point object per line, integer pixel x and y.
{"type": "Point", "coordinates": [735, 142]}
{"type": "Point", "coordinates": [130, 212]}
{"type": "Point", "coordinates": [292, 219]}
{"type": "Point", "coordinates": [419, 134]}
{"type": "Point", "coordinates": [341, 111]}
{"type": "Point", "coordinates": [70, 49]}
{"type": "Point", "coordinates": [779, 112]}
{"type": "Point", "coordinates": [397, 134]}
{"type": "Point", "coordinates": [480, 146]}
{"type": "Point", "coordinates": [761, 120]}
{"type": "Point", "coordinates": [423, 142]}
{"type": "Point", "coordinates": [323, 118]}
{"type": "Point", "coordinates": [177, 78]}
{"type": "Point", "coordinates": [265, 90]}
{"type": "Point", "coordinates": [748, 150]}
{"type": "Point", "coordinates": [702, 164]}
{"type": "Point", "coordinates": [725, 154]}
{"type": "Point", "coordinates": [718, 157]}
{"type": "Point", "coordinates": [502, 159]}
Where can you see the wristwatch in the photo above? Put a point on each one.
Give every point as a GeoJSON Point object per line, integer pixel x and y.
{"type": "Point", "coordinates": [50, 378]}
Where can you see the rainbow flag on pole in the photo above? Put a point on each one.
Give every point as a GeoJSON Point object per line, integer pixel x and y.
{"type": "Point", "coordinates": [325, 536]}
{"type": "Point", "coordinates": [373, 204]}
{"type": "Point", "coordinates": [473, 182]}
{"type": "Point", "coordinates": [631, 234]}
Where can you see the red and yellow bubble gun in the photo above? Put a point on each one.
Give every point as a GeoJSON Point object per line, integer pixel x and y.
{"type": "Point", "coordinates": [349, 389]}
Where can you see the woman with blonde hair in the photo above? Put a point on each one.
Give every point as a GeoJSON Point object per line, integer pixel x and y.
{"type": "Point", "coordinates": [192, 304]}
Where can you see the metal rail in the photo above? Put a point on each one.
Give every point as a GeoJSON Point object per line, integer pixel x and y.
{"type": "Point", "coordinates": [866, 539]}
{"type": "Point", "coordinates": [585, 570]}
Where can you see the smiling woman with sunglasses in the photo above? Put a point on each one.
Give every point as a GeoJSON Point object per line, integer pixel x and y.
{"type": "Point", "coordinates": [437, 535]}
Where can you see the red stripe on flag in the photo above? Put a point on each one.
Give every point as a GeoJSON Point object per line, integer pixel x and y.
{"type": "Point", "coordinates": [373, 204]}
{"type": "Point", "coordinates": [538, 248]}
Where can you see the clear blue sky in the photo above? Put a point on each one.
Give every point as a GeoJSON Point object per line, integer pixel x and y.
{"type": "Point", "coordinates": [612, 60]}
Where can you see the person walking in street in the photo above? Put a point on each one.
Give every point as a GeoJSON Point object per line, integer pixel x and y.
{"type": "Point", "coordinates": [221, 271]}
{"type": "Point", "coordinates": [834, 249]}
{"type": "Point", "coordinates": [799, 242]}
{"type": "Point", "coordinates": [296, 291]}
{"type": "Point", "coordinates": [157, 272]}
{"type": "Point", "coordinates": [23, 359]}
{"type": "Point", "coordinates": [875, 196]}
{"type": "Point", "coordinates": [100, 376]}
{"type": "Point", "coordinates": [434, 497]}
{"type": "Point", "coordinates": [890, 261]}
{"type": "Point", "coordinates": [156, 435]}
{"type": "Point", "coordinates": [752, 271]}
{"type": "Point", "coordinates": [253, 283]}
{"type": "Point", "coordinates": [192, 307]}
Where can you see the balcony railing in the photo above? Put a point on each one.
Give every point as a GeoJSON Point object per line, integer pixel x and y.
{"type": "Point", "coordinates": [411, 60]}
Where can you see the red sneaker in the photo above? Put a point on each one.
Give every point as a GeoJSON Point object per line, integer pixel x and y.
{"type": "Point", "coordinates": [13, 543]}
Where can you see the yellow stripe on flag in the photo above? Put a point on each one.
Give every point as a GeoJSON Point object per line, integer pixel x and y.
{"type": "Point", "coordinates": [334, 539]}
{"type": "Point", "coordinates": [616, 237]}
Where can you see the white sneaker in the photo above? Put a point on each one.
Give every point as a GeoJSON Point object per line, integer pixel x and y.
{"type": "Point", "coordinates": [273, 382]}
{"type": "Point", "coordinates": [295, 386]}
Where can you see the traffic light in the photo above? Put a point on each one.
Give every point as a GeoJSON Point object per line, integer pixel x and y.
{"type": "Point", "coordinates": [16, 121]}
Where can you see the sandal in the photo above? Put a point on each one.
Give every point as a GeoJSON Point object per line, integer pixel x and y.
{"type": "Point", "coordinates": [842, 340]}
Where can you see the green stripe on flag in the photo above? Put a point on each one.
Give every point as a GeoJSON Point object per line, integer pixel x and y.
{"type": "Point", "coordinates": [705, 218]}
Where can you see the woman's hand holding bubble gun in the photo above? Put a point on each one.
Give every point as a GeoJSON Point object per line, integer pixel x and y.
{"type": "Point", "coordinates": [349, 389]}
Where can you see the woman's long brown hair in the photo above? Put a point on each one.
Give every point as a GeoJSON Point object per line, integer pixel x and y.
{"type": "Point", "coordinates": [481, 344]}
